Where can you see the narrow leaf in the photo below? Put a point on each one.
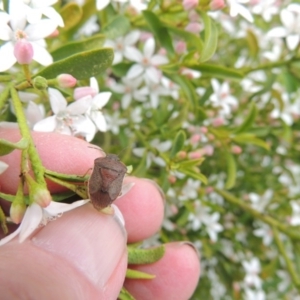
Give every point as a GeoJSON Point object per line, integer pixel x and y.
{"type": "Point", "coordinates": [125, 295]}
{"type": "Point", "coordinates": [194, 173]}
{"type": "Point", "coordinates": [159, 30]}
{"type": "Point", "coordinates": [249, 120]}
{"type": "Point", "coordinates": [81, 66]}
{"type": "Point", "coordinates": [134, 274]}
{"type": "Point", "coordinates": [7, 147]}
{"type": "Point", "coordinates": [210, 40]}
{"type": "Point", "coordinates": [145, 256]}
{"type": "Point", "coordinates": [217, 71]}
{"type": "Point", "coordinates": [178, 143]}
{"type": "Point", "coordinates": [231, 171]}
{"type": "Point", "coordinates": [249, 138]}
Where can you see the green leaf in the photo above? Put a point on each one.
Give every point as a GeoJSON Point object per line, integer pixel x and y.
{"type": "Point", "coordinates": [231, 171]}
{"type": "Point", "coordinates": [217, 71]}
{"type": "Point", "coordinates": [134, 274]}
{"type": "Point", "coordinates": [7, 197]}
{"type": "Point", "coordinates": [210, 39]}
{"type": "Point", "coordinates": [145, 256]}
{"type": "Point", "coordinates": [125, 295]}
{"type": "Point", "coordinates": [192, 40]}
{"type": "Point", "coordinates": [178, 143]}
{"type": "Point", "coordinates": [116, 27]}
{"type": "Point", "coordinates": [82, 66]}
{"type": "Point", "coordinates": [187, 88]}
{"type": "Point", "coordinates": [7, 147]}
{"type": "Point", "coordinates": [71, 14]}
{"type": "Point", "coordinates": [249, 120]}
{"type": "Point", "coordinates": [252, 43]}
{"type": "Point", "coordinates": [121, 69]}
{"type": "Point", "coordinates": [159, 30]}
{"type": "Point", "coordinates": [249, 138]}
{"type": "Point", "coordinates": [194, 173]}
{"type": "Point", "coordinates": [191, 163]}
{"type": "Point", "coordinates": [94, 42]}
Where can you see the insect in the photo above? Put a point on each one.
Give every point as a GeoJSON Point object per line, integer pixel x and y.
{"type": "Point", "coordinates": [105, 183]}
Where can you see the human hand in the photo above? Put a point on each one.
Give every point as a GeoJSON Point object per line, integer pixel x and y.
{"type": "Point", "coordinates": [83, 254]}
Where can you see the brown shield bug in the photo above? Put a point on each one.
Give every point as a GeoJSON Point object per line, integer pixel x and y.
{"type": "Point", "coordinates": [105, 183]}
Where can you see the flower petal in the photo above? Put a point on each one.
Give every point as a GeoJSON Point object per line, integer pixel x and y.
{"type": "Point", "coordinates": [133, 54]}
{"type": "Point", "coordinates": [55, 208]}
{"type": "Point", "coordinates": [41, 55]}
{"type": "Point", "coordinates": [149, 47]}
{"type": "Point", "coordinates": [31, 221]}
{"type": "Point", "coordinates": [57, 101]}
{"type": "Point", "coordinates": [46, 125]}
{"type": "Point", "coordinates": [7, 58]}
{"type": "Point", "coordinates": [3, 166]}
{"type": "Point", "coordinates": [100, 100]}
{"type": "Point", "coordinates": [40, 30]}
{"type": "Point", "coordinates": [52, 14]}
{"type": "Point", "coordinates": [135, 71]}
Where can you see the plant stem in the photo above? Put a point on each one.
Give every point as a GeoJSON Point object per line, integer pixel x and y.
{"type": "Point", "coordinates": [36, 163]}
{"type": "Point", "coordinates": [258, 215]}
{"type": "Point", "coordinates": [289, 263]}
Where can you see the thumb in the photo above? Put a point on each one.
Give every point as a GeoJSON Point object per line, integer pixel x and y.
{"type": "Point", "coordinates": [81, 255]}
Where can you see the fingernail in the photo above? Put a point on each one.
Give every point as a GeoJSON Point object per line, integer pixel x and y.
{"type": "Point", "coordinates": [91, 241]}
{"type": "Point", "coordinates": [192, 246]}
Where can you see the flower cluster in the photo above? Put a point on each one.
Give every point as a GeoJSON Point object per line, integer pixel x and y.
{"type": "Point", "coordinates": [202, 96]}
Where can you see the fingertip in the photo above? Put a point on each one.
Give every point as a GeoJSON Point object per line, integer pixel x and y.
{"type": "Point", "coordinates": [142, 208]}
{"type": "Point", "coordinates": [176, 275]}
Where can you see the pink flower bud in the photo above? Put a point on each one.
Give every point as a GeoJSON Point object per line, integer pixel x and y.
{"type": "Point", "coordinates": [182, 154]}
{"type": "Point", "coordinates": [204, 129]}
{"type": "Point", "coordinates": [66, 80]}
{"type": "Point", "coordinates": [189, 4]}
{"type": "Point", "coordinates": [42, 197]}
{"type": "Point", "coordinates": [217, 4]}
{"type": "Point", "coordinates": [236, 149]}
{"type": "Point", "coordinates": [23, 52]}
{"type": "Point", "coordinates": [194, 27]}
{"type": "Point", "coordinates": [195, 138]}
{"type": "Point", "coordinates": [180, 47]}
{"type": "Point", "coordinates": [209, 150]}
{"type": "Point", "coordinates": [83, 92]}
{"type": "Point", "coordinates": [196, 154]}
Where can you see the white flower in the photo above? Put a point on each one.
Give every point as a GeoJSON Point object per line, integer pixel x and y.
{"type": "Point", "coordinates": [121, 44]}
{"type": "Point", "coordinates": [138, 5]}
{"type": "Point", "coordinates": [130, 90]}
{"type": "Point", "coordinates": [35, 9]}
{"type": "Point", "coordinates": [260, 202]}
{"type": "Point", "coordinates": [190, 190]}
{"type": "Point", "coordinates": [16, 30]}
{"type": "Point", "coordinates": [265, 233]}
{"type": "Point", "coordinates": [236, 8]}
{"type": "Point", "coordinates": [212, 226]}
{"type": "Point", "coordinates": [97, 103]}
{"type": "Point", "coordinates": [36, 216]}
{"type": "Point", "coordinates": [266, 9]}
{"type": "Point", "coordinates": [151, 157]}
{"type": "Point", "coordinates": [67, 119]}
{"type": "Point", "coordinates": [146, 62]}
{"type": "Point", "coordinates": [222, 98]}
{"type": "Point", "coordinates": [290, 18]}
{"type": "Point", "coordinates": [196, 219]}
{"type": "Point", "coordinates": [89, 27]}
{"type": "Point", "coordinates": [252, 269]}
{"type": "Point", "coordinates": [114, 122]}
{"type": "Point", "coordinates": [254, 295]}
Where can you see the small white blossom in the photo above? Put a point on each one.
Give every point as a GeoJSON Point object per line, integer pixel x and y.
{"type": "Point", "coordinates": [237, 8]}
{"type": "Point", "coordinates": [252, 269]}
{"type": "Point", "coordinates": [212, 225]}
{"type": "Point", "coordinates": [121, 44]}
{"type": "Point", "coordinates": [16, 30]}
{"type": "Point", "coordinates": [290, 18]}
{"type": "Point", "coordinates": [3, 166]}
{"type": "Point", "coordinates": [265, 233]}
{"type": "Point", "coordinates": [67, 119]}
{"type": "Point", "coordinates": [36, 216]}
{"type": "Point", "coordinates": [145, 63]}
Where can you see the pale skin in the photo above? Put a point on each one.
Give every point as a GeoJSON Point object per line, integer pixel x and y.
{"type": "Point", "coordinates": [82, 255]}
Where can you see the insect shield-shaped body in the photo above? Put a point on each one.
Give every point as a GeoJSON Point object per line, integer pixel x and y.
{"type": "Point", "coordinates": [105, 183]}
